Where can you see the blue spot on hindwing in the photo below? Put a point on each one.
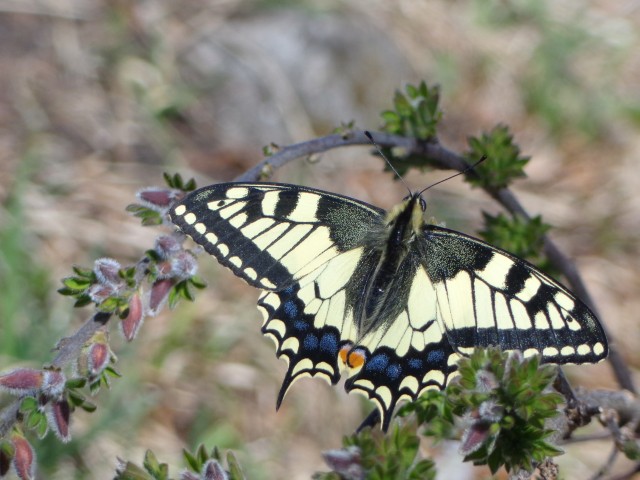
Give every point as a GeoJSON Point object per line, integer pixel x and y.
{"type": "Point", "coordinates": [435, 357]}
{"type": "Point", "coordinates": [288, 290]}
{"type": "Point", "coordinates": [300, 325]}
{"type": "Point", "coordinates": [393, 371]}
{"type": "Point", "coordinates": [329, 343]}
{"type": "Point", "coordinates": [290, 309]}
{"type": "Point", "coordinates": [415, 363]}
{"type": "Point", "coordinates": [378, 362]}
{"type": "Point", "coordinates": [310, 342]}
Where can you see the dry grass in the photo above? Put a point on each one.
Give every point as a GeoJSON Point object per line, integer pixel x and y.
{"type": "Point", "coordinates": [97, 99]}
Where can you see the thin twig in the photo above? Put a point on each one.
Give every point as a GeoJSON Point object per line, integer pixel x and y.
{"type": "Point", "coordinates": [441, 157]}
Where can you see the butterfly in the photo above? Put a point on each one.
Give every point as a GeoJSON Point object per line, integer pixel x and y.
{"type": "Point", "coordinates": [385, 296]}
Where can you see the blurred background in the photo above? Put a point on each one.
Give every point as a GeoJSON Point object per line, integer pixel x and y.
{"type": "Point", "coordinates": [99, 98]}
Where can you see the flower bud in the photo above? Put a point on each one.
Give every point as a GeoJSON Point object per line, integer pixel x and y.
{"type": "Point", "coordinates": [22, 381]}
{"type": "Point", "coordinates": [24, 458]}
{"type": "Point", "coordinates": [58, 416]}
{"type": "Point", "coordinates": [158, 198]}
{"type": "Point", "coordinates": [132, 323]}
{"type": "Point", "coordinates": [212, 470]}
{"type": "Point", "coordinates": [159, 294]}
{"type": "Point", "coordinates": [107, 271]}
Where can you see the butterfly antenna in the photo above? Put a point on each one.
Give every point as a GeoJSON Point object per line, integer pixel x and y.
{"type": "Point", "coordinates": [462, 172]}
{"type": "Point", "coordinates": [370, 137]}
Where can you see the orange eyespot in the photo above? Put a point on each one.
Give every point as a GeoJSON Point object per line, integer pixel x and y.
{"type": "Point", "coordinates": [352, 358]}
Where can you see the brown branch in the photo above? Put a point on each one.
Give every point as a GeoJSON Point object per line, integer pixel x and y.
{"type": "Point", "coordinates": [443, 158]}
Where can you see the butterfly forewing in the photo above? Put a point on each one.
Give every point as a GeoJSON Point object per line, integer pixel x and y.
{"type": "Point", "coordinates": [486, 296]}
{"type": "Point", "coordinates": [270, 234]}
{"type": "Point", "coordinates": [335, 279]}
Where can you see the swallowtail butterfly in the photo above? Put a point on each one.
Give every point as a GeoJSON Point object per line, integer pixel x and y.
{"type": "Point", "coordinates": [390, 298]}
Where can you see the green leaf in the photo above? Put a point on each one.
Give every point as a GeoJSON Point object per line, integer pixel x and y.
{"type": "Point", "coordinates": [504, 162]}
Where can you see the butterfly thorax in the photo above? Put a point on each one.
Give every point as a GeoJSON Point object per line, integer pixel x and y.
{"type": "Point", "coordinates": [403, 224]}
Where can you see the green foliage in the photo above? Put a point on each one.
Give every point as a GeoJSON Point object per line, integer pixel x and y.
{"type": "Point", "coordinates": [34, 417]}
{"type": "Point", "coordinates": [148, 216]}
{"type": "Point", "coordinates": [504, 163]}
{"type": "Point", "coordinates": [375, 456]}
{"type": "Point", "coordinates": [524, 238]}
{"type": "Point", "coordinates": [178, 183]}
{"type": "Point", "coordinates": [181, 290]}
{"type": "Point", "coordinates": [415, 114]}
{"type": "Point", "coordinates": [506, 401]}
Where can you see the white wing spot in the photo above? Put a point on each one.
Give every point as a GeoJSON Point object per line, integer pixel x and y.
{"type": "Point", "coordinates": [495, 273]}
{"type": "Point", "coordinates": [223, 249]}
{"type": "Point", "coordinates": [568, 350]}
{"type": "Point", "coordinates": [583, 349]}
{"type": "Point", "coordinates": [531, 286]}
{"type": "Point", "coordinates": [503, 317]}
{"type": "Point", "coordinates": [541, 322]}
{"type": "Point", "coordinates": [212, 238]}
{"type": "Point", "coordinates": [529, 352]}
{"type": "Point", "coordinates": [200, 228]}
{"type": "Point", "coordinates": [235, 261]}
{"type": "Point", "coordinates": [238, 220]}
{"type": "Point", "coordinates": [598, 348]}
{"type": "Point", "coordinates": [434, 376]}
{"type": "Point", "coordinates": [550, 352]}
{"type": "Point", "coordinates": [251, 273]}
{"type": "Point", "coordinates": [180, 209]}
{"type": "Point", "coordinates": [520, 315]}
{"type": "Point", "coordinates": [237, 192]}
{"type": "Point", "coordinates": [484, 310]}
{"type": "Point", "coordinates": [270, 202]}
{"type": "Point", "coordinates": [190, 218]}
{"type": "Point", "coordinates": [257, 227]}
{"type": "Point", "coordinates": [306, 208]}
{"type": "Point", "coordinates": [267, 283]}
{"type": "Point", "coordinates": [564, 301]}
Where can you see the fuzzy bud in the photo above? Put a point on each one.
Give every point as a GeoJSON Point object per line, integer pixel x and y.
{"type": "Point", "coordinates": [184, 265]}
{"type": "Point", "coordinates": [167, 245]}
{"type": "Point", "coordinates": [186, 475]}
{"type": "Point", "coordinates": [159, 294]}
{"type": "Point", "coordinates": [24, 458]}
{"type": "Point", "coordinates": [94, 356]}
{"type": "Point", "coordinates": [345, 462]}
{"type": "Point", "coordinates": [212, 470]}
{"type": "Point", "coordinates": [58, 416]}
{"type": "Point", "coordinates": [107, 271]}
{"type": "Point", "coordinates": [134, 319]}
{"type": "Point", "coordinates": [474, 436]}
{"type": "Point", "coordinates": [53, 383]}
{"type": "Point", "coordinates": [158, 198]}
{"type": "Point", "coordinates": [22, 381]}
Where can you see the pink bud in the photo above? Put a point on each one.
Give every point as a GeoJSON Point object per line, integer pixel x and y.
{"type": "Point", "coordinates": [212, 470]}
{"type": "Point", "coordinates": [53, 383]}
{"type": "Point", "coordinates": [186, 475]}
{"type": "Point", "coordinates": [167, 245]}
{"type": "Point", "coordinates": [99, 292]}
{"type": "Point", "coordinates": [24, 458]}
{"type": "Point", "coordinates": [157, 197]}
{"type": "Point", "coordinates": [22, 381]}
{"type": "Point", "coordinates": [5, 462]}
{"type": "Point", "coordinates": [132, 323]}
{"type": "Point", "coordinates": [184, 265]}
{"type": "Point", "coordinates": [345, 462]}
{"type": "Point", "coordinates": [159, 294]}
{"type": "Point", "coordinates": [106, 270]}
{"type": "Point", "coordinates": [473, 437]}
{"type": "Point", "coordinates": [98, 357]}
{"type": "Point", "coordinates": [58, 416]}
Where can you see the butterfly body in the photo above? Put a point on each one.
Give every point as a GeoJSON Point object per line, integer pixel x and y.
{"type": "Point", "coordinates": [393, 300]}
